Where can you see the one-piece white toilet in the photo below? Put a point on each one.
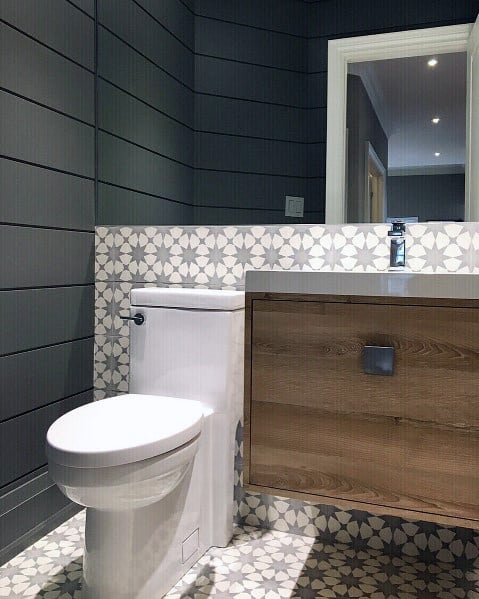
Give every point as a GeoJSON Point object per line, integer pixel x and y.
{"type": "Point", "coordinates": [155, 468]}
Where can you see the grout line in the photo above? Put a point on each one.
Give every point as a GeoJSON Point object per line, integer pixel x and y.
{"type": "Point", "coordinates": [52, 403]}
{"type": "Point", "coordinates": [147, 149]}
{"type": "Point", "coordinates": [145, 57]}
{"type": "Point", "coordinates": [42, 105]}
{"type": "Point", "coordinates": [146, 193]}
{"type": "Point", "coordinates": [49, 227]}
{"type": "Point", "coordinates": [23, 351]}
{"type": "Point", "coordinates": [153, 18]}
{"type": "Point", "coordinates": [47, 287]}
{"type": "Point", "coordinates": [80, 9]}
{"type": "Point", "coordinates": [34, 39]}
{"type": "Point", "coordinates": [46, 167]}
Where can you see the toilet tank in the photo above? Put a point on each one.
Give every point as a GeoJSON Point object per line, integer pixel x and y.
{"type": "Point", "coordinates": [190, 345]}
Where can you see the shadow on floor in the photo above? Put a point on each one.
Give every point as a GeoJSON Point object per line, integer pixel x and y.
{"type": "Point", "coordinates": [339, 571]}
{"type": "Point", "coordinates": [66, 583]}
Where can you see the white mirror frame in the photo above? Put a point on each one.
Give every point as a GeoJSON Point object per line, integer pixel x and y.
{"type": "Point", "coordinates": [419, 42]}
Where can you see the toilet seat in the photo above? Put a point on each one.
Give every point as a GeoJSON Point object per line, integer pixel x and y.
{"type": "Point", "coordinates": [123, 430]}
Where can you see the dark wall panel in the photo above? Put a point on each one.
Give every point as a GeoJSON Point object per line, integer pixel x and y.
{"type": "Point", "coordinates": [246, 44]}
{"type": "Point", "coordinates": [87, 6]}
{"type": "Point", "coordinates": [36, 317]}
{"type": "Point", "coordinates": [250, 82]}
{"type": "Point", "coordinates": [354, 18]}
{"type": "Point", "coordinates": [318, 54]}
{"type": "Point", "coordinates": [286, 16]}
{"type": "Point", "coordinates": [429, 197]}
{"type": "Point", "coordinates": [175, 16]}
{"type": "Point", "coordinates": [122, 66]}
{"type": "Point", "coordinates": [33, 195]}
{"type": "Point", "coordinates": [249, 119]}
{"type": "Point", "coordinates": [226, 216]}
{"type": "Point", "coordinates": [33, 379]}
{"type": "Point", "coordinates": [131, 119]}
{"type": "Point", "coordinates": [220, 152]}
{"type": "Point", "coordinates": [45, 257]}
{"type": "Point", "coordinates": [317, 90]}
{"type": "Point", "coordinates": [136, 27]}
{"type": "Point", "coordinates": [55, 23]}
{"type": "Point", "coordinates": [118, 206]}
{"type": "Point", "coordinates": [42, 136]}
{"type": "Point", "coordinates": [244, 190]}
{"type": "Point", "coordinates": [125, 164]}
{"type": "Point", "coordinates": [22, 439]}
{"type": "Point", "coordinates": [29, 69]}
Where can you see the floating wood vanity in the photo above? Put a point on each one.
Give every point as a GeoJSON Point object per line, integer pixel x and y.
{"type": "Point", "coordinates": [318, 427]}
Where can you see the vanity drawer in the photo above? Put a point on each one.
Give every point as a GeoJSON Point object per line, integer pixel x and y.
{"type": "Point", "coordinates": [318, 424]}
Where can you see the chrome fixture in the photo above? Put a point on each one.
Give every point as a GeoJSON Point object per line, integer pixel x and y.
{"type": "Point", "coordinates": [397, 256]}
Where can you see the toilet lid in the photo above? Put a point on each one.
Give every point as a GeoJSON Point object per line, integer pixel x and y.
{"type": "Point", "coordinates": [123, 429]}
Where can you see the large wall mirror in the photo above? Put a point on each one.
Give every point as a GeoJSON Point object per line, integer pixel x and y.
{"type": "Point", "coordinates": [402, 128]}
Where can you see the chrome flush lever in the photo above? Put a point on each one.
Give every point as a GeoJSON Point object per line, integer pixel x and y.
{"type": "Point", "coordinates": [138, 319]}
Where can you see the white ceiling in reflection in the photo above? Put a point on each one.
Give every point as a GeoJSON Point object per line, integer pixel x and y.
{"type": "Point", "coordinates": [406, 94]}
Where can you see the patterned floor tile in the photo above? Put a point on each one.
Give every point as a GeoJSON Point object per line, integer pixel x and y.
{"type": "Point", "coordinates": [258, 564]}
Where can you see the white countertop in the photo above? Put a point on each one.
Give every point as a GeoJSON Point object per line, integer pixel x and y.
{"type": "Point", "coordinates": [392, 284]}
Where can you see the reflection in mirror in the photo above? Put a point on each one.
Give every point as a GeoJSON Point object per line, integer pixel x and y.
{"type": "Point", "coordinates": [406, 137]}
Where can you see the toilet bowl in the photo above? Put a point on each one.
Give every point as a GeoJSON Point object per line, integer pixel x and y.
{"type": "Point", "coordinates": [154, 468]}
{"type": "Point", "coordinates": [125, 452]}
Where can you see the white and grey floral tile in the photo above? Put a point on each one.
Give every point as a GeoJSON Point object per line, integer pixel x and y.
{"type": "Point", "coordinates": [218, 257]}
{"type": "Point", "coordinates": [256, 564]}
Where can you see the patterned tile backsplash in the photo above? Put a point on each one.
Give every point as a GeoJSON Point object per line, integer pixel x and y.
{"type": "Point", "coordinates": [218, 257]}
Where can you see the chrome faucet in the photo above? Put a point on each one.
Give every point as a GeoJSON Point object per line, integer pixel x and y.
{"type": "Point", "coordinates": [397, 256]}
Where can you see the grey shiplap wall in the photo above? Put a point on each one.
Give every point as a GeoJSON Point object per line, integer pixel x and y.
{"type": "Point", "coordinates": [145, 111]}
{"type": "Point", "coordinates": [429, 197]}
{"type": "Point", "coordinates": [253, 142]}
{"type": "Point", "coordinates": [47, 218]}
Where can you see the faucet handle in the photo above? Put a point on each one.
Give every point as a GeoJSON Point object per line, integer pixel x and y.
{"type": "Point", "coordinates": [398, 228]}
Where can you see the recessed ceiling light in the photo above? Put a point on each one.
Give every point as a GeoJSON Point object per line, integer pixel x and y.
{"type": "Point", "coordinates": [432, 62]}
{"type": "Point", "coordinates": [436, 154]}
{"type": "Point", "coordinates": [435, 120]}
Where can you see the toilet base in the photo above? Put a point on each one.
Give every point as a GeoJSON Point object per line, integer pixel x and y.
{"type": "Point", "coordinates": [142, 553]}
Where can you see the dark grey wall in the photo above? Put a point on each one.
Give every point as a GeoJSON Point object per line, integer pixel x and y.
{"type": "Point", "coordinates": [363, 126]}
{"type": "Point", "coordinates": [253, 141]}
{"type": "Point", "coordinates": [47, 217]}
{"type": "Point", "coordinates": [429, 197]}
{"type": "Point", "coordinates": [145, 111]}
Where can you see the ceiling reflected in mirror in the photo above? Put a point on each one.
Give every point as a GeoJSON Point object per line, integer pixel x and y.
{"type": "Point", "coordinates": [406, 118]}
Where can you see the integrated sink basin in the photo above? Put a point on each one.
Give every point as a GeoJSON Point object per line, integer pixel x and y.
{"type": "Point", "coordinates": [377, 284]}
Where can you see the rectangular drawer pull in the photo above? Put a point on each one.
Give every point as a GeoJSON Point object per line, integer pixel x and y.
{"type": "Point", "coordinates": [378, 360]}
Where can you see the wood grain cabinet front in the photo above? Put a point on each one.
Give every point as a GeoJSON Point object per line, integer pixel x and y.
{"type": "Point", "coordinates": [317, 426]}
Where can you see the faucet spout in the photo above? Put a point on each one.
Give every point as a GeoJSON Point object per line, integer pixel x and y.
{"type": "Point", "coordinates": [397, 256]}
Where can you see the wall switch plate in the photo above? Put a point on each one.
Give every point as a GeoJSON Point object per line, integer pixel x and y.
{"type": "Point", "coordinates": [294, 206]}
